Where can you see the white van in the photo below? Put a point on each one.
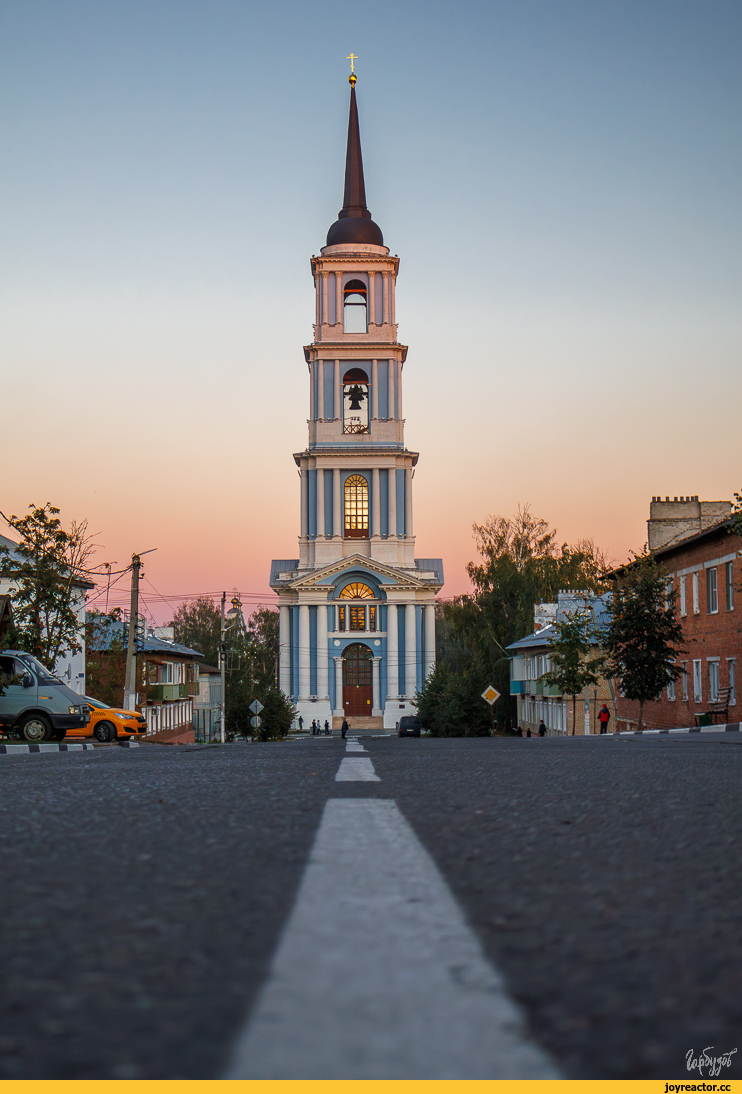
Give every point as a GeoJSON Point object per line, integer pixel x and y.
{"type": "Point", "coordinates": [34, 704]}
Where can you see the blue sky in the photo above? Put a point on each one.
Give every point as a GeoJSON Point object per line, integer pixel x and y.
{"type": "Point", "coordinates": [560, 179]}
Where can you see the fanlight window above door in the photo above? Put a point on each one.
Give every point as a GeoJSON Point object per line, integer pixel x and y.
{"type": "Point", "coordinates": [357, 591]}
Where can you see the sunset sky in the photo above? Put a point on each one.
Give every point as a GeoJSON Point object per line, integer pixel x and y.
{"type": "Point", "coordinates": [560, 178]}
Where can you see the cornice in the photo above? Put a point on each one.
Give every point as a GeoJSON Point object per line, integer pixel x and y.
{"type": "Point", "coordinates": [366, 261]}
{"type": "Point", "coordinates": [330, 351]}
{"type": "Point", "coordinates": [343, 450]}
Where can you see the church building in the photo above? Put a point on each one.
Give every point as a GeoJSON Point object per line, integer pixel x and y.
{"type": "Point", "coordinates": [357, 609]}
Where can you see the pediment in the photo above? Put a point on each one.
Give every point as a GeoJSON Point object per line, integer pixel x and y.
{"type": "Point", "coordinates": [386, 575]}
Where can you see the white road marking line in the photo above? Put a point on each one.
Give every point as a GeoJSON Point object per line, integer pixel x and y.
{"type": "Point", "coordinates": [356, 769]}
{"type": "Point", "coordinates": [377, 974]}
{"type": "Point", "coordinates": [359, 769]}
{"type": "Point", "coordinates": [353, 746]}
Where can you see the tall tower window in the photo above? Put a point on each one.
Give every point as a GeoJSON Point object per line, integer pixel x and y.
{"type": "Point", "coordinates": [355, 315]}
{"type": "Point", "coordinates": [356, 507]}
{"type": "Point", "coordinates": [355, 401]}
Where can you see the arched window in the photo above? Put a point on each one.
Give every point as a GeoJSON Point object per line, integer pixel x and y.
{"type": "Point", "coordinates": [356, 507]}
{"type": "Point", "coordinates": [359, 617]}
{"type": "Point", "coordinates": [354, 307]}
{"type": "Point", "coordinates": [355, 401]}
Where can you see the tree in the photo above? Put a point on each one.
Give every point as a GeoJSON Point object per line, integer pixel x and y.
{"type": "Point", "coordinates": [644, 637]}
{"type": "Point", "coordinates": [197, 625]}
{"type": "Point", "coordinates": [46, 568]}
{"type": "Point", "coordinates": [572, 671]}
{"type": "Point", "coordinates": [105, 657]}
{"type": "Point", "coordinates": [521, 564]}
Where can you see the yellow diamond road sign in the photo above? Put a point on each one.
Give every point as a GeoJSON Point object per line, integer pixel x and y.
{"type": "Point", "coordinates": [491, 695]}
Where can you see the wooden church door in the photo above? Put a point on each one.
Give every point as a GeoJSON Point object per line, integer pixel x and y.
{"type": "Point", "coordinates": [357, 680]}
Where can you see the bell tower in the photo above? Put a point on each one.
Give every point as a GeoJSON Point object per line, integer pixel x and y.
{"type": "Point", "coordinates": [355, 489]}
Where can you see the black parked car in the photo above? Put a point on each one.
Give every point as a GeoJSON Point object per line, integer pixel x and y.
{"type": "Point", "coordinates": [409, 726]}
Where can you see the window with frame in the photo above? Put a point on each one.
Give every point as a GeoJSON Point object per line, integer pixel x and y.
{"type": "Point", "coordinates": [684, 680]}
{"type": "Point", "coordinates": [712, 591]}
{"type": "Point", "coordinates": [671, 691]}
{"type": "Point", "coordinates": [697, 683]}
{"type": "Point", "coordinates": [355, 317]}
{"type": "Point", "coordinates": [694, 579]}
{"type": "Point", "coordinates": [731, 676]}
{"type": "Point", "coordinates": [713, 665]}
{"type": "Point", "coordinates": [729, 583]}
{"type": "Point", "coordinates": [683, 601]}
{"type": "Point", "coordinates": [668, 592]}
{"type": "Point", "coordinates": [356, 507]}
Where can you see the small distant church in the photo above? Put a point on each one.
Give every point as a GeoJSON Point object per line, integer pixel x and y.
{"type": "Point", "coordinates": [357, 609]}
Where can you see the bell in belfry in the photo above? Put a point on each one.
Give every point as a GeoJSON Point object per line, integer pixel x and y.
{"type": "Point", "coordinates": [356, 394]}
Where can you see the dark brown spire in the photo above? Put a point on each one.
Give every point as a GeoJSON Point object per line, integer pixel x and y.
{"type": "Point", "coordinates": [354, 197]}
{"type": "Point", "coordinates": [354, 223]}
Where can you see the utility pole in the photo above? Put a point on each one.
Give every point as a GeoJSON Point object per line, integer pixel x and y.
{"type": "Point", "coordinates": [130, 679]}
{"type": "Point", "coordinates": [223, 666]}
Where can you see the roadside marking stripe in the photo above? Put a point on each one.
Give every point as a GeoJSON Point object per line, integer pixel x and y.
{"type": "Point", "coordinates": [354, 746]}
{"type": "Point", "coordinates": [377, 974]}
{"type": "Point", "coordinates": [356, 770]}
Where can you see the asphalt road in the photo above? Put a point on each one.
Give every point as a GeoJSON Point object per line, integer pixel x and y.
{"type": "Point", "coordinates": [144, 893]}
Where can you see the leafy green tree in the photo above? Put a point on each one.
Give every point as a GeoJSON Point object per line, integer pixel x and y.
{"type": "Point", "coordinates": [46, 569]}
{"type": "Point", "coordinates": [520, 564]}
{"type": "Point", "coordinates": [573, 669]}
{"type": "Point", "coordinates": [277, 715]}
{"type": "Point", "coordinates": [197, 625]}
{"type": "Point", "coordinates": [644, 637]}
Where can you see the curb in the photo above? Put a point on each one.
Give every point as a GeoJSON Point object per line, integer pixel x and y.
{"type": "Point", "coordinates": [17, 749]}
{"type": "Point", "coordinates": [128, 744]}
{"type": "Point", "coordinates": [730, 727]}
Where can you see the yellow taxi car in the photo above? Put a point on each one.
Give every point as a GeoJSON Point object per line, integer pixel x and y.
{"type": "Point", "coordinates": [107, 723]}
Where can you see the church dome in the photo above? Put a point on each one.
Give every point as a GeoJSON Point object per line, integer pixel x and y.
{"type": "Point", "coordinates": [354, 223]}
{"type": "Point", "coordinates": [355, 230]}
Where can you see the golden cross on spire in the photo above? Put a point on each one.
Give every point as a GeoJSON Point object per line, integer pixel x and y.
{"type": "Point", "coordinates": [353, 57]}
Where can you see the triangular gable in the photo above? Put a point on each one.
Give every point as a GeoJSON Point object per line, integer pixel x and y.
{"type": "Point", "coordinates": [327, 574]}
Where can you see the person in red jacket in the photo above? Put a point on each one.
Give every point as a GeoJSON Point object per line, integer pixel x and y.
{"type": "Point", "coordinates": [604, 717]}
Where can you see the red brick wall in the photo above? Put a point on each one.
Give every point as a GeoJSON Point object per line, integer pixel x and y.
{"type": "Point", "coordinates": [706, 636]}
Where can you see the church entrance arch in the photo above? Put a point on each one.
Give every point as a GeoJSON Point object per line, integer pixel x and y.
{"type": "Point", "coordinates": [358, 663]}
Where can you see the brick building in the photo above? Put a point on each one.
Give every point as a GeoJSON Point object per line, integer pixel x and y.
{"type": "Point", "coordinates": [704, 564]}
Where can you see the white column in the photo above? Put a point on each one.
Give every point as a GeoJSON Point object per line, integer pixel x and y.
{"type": "Point", "coordinates": [336, 508]}
{"type": "Point", "coordinates": [304, 682]}
{"type": "Point", "coordinates": [338, 407]}
{"type": "Point", "coordinates": [392, 653]}
{"type": "Point", "coordinates": [408, 502]}
{"type": "Point", "coordinates": [320, 408]}
{"type": "Point", "coordinates": [376, 710]}
{"type": "Point", "coordinates": [410, 653]}
{"type": "Point", "coordinates": [392, 473]}
{"type": "Point", "coordinates": [372, 297]}
{"type": "Point", "coordinates": [398, 371]}
{"type": "Point", "coordinates": [304, 480]}
{"type": "Point", "coordinates": [284, 644]}
{"type": "Point", "coordinates": [325, 304]}
{"type": "Point", "coordinates": [392, 294]}
{"type": "Point", "coordinates": [392, 413]}
{"type": "Point", "coordinates": [374, 388]}
{"type": "Point", "coordinates": [375, 503]}
{"type": "Point", "coordinates": [320, 503]}
{"type": "Point", "coordinates": [338, 297]}
{"type": "Point", "coordinates": [385, 298]}
{"type": "Point", "coordinates": [338, 687]}
{"type": "Point", "coordinates": [323, 688]}
{"type": "Point", "coordinates": [312, 406]}
{"type": "Point", "coordinates": [429, 625]}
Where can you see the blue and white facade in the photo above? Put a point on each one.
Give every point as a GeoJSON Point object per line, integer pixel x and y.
{"type": "Point", "coordinates": [357, 609]}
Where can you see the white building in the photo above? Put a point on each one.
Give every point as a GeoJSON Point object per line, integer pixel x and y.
{"type": "Point", "coordinates": [357, 609]}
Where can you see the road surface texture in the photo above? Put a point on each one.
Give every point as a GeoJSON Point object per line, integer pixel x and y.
{"type": "Point", "coordinates": [389, 908]}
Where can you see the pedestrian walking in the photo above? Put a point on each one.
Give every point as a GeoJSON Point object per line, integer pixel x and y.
{"type": "Point", "coordinates": [314, 728]}
{"type": "Point", "coordinates": [542, 728]}
{"type": "Point", "coordinates": [528, 733]}
{"type": "Point", "coordinates": [301, 723]}
{"type": "Point", "coordinates": [604, 717]}
{"type": "Point", "coordinates": [344, 728]}
{"type": "Point", "coordinates": [327, 728]}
